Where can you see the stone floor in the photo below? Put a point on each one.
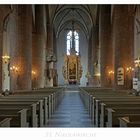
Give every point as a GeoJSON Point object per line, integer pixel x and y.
{"type": "Point", "coordinates": [71, 112]}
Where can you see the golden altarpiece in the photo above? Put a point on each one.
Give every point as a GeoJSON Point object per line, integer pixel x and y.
{"type": "Point", "coordinates": [72, 69]}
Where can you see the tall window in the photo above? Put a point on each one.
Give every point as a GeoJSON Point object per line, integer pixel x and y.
{"type": "Point", "coordinates": [69, 42]}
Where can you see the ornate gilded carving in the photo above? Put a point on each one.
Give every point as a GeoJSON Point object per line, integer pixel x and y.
{"type": "Point", "coordinates": [72, 69]}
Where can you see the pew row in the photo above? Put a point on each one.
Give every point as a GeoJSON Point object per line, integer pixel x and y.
{"type": "Point", "coordinates": [40, 106]}
{"type": "Point", "coordinates": [5, 122]}
{"type": "Point", "coordinates": [114, 114]}
{"type": "Point", "coordinates": [132, 120]}
{"type": "Point", "coordinates": [96, 103]}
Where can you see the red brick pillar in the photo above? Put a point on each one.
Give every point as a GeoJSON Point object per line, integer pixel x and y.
{"type": "Point", "coordinates": [122, 41]}
{"type": "Point", "coordinates": [1, 37]}
{"type": "Point", "coordinates": [105, 45]}
{"type": "Point", "coordinates": [49, 37]}
{"type": "Point", "coordinates": [90, 61]}
{"type": "Point", "coordinates": [12, 38]}
{"type": "Point", "coordinates": [38, 48]}
{"type": "Point", "coordinates": [50, 50]}
{"type": "Point", "coordinates": [95, 50]}
{"type": "Point", "coordinates": [24, 48]}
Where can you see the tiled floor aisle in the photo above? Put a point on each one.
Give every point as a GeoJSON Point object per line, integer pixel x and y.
{"type": "Point", "coordinates": [71, 112]}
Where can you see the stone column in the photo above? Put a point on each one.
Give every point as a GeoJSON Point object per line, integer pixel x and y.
{"type": "Point", "coordinates": [24, 47]}
{"type": "Point", "coordinates": [38, 49]}
{"type": "Point", "coordinates": [105, 45]}
{"type": "Point", "coordinates": [123, 34]}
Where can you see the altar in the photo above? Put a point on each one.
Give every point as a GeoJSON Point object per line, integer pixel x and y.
{"type": "Point", "coordinates": [72, 69]}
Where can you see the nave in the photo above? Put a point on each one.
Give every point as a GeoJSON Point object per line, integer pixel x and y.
{"type": "Point", "coordinates": [70, 107]}
{"type": "Point", "coordinates": [71, 112]}
{"type": "Point", "coordinates": [50, 107]}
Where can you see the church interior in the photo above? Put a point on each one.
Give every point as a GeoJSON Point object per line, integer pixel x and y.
{"type": "Point", "coordinates": [69, 65]}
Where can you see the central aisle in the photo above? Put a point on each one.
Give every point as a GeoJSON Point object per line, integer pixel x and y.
{"type": "Point", "coordinates": [71, 112]}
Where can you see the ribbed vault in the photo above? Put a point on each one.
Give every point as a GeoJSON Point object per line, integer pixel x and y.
{"type": "Point", "coordinates": [84, 17]}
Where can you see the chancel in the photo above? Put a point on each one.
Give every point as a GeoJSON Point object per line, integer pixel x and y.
{"type": "Point", "coordinates": [69, 65]}
{"type": "Point", "coordinates": [72, 69]}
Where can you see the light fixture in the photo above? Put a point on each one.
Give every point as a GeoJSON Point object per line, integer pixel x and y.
{"type": "Point", "coordinates": [33, 72]}
{"type": "Point", "coordinates": [111, 72]}
{"type": "Point", "coordinates": [14, 69]}
{"type": "Point", "coordinates": [5, 58]}
{"type": "Point", "coordinates": [129, 69]}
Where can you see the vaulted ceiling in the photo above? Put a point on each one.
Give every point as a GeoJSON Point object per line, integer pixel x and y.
{"type": "Point", "coordinates": [83, 16]}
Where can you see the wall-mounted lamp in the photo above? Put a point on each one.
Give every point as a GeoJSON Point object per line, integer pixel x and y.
{"type": "Point", "coordinates": [14, 69]}
{"type": "Point", "coordinates": [129, 69]}
{"type": "Point", "coordinates": [33, 73]}
{"type": "Point", "coordinates": [111, 72]}
{"type": "Point", "coordinates": [5, 58]}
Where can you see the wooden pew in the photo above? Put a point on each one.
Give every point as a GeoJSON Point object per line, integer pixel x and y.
{"type": "Point", "coordinates": [106, 96]}
{"type": "Point", "coordinates": [97, 105]}
{"type": "Point", "coordinates": [18, 117]}
{"type": "Point", "coordinates": [49, 89]}
{"type": "Point", "coordinates": [88, 96]}
{"type": "Point", "coordinates": [132, 120]}
{"type": "Point", "coordinates": [85, 97]}
{"type": "Point", "coordinates": [46, 93]}
{"type": "Point", "coordinates": [46, 106]}
{"type": "Point", "coordinates": [27, 105]}
{"type": "Point", "coordinates": [94, 104]}
{"type": "Point", "coordinates": [114, 114]}
{"type": "Point", "coordinates": [104, 106]}
{"type": "Point", "coordinates": [40, 105]}
{"type": "Point", "coordinates": [5, 122]}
